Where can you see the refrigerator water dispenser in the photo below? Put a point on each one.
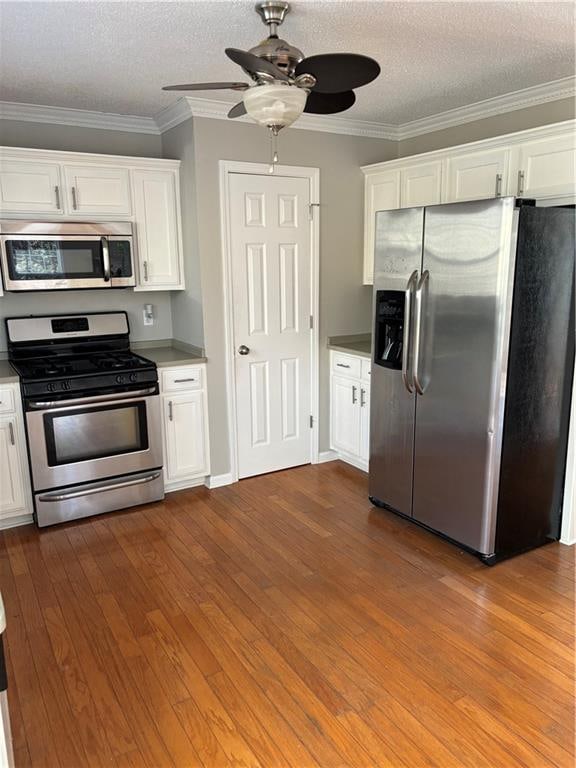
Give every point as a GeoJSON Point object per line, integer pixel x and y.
{"type": "Point", "coordinates": [389, 330]}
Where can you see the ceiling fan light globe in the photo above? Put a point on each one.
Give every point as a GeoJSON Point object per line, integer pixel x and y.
{"type": "Point", "coordinates": [275, 105]}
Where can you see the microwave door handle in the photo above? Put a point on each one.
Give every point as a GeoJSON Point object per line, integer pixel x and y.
{"type": "Point", "coordinates": [406, 343]}
{"type": "Point", "coordinates": [105, 258]}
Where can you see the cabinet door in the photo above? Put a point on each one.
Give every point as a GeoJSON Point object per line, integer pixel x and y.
{"type": "Point", "coordinates": [156, 204]}
{"type": "Point", "coordinates": [381, 193]}
{"type": "Point", "coordinates": [364, 422]}
{"type": "Point", "coordinates": [345, 415]}
{"type": "Point", "coordinates": [186, 436]}
{"type": "Point", "coordinates": [97, 190]}
{"type": "Point", "coordinates": [421, 185]}
{"type": "Point", "coordinates": [12, 497]}
{"type": "Point", "coordinates": [30, 187]}
{"type": "Point", "coordinates": [547, 167]}
{"type": "Point", "coordinates": [477, 175]}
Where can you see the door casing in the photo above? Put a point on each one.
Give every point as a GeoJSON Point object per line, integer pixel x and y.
{"type": "Point", "coordinates": [228, 167]}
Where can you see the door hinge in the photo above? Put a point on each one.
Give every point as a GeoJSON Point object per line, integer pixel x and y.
{"type": "Point", "coordinates": [311, 207]}
{"type": "Point", "coordinates": [311, 422]}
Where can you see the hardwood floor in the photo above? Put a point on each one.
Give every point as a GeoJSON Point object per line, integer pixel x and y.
{"type": "Point", "coordinates": [283, 621]}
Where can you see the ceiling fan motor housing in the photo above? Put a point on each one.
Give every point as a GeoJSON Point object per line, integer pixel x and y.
{"type": "Point", "coordinates": [280, 53]}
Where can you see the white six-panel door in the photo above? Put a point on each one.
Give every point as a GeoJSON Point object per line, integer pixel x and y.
{"type": "Point", "coordinates": [270, 254]}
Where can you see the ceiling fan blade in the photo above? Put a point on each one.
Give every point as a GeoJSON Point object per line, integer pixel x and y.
{"type": "Point", "coordinates": [207, 87]}
{"type": "Point", "coordinates": [255, 64]}
{"type": "Point", "coordinates": [337, 72]}
{"type": "Point", "coordinates": [329, 103]}
{"type": "Point", "coordinates": [237, 110]}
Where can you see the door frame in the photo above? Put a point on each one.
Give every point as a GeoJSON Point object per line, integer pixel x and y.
{"type": "Point", "coordinates": [228, 167]}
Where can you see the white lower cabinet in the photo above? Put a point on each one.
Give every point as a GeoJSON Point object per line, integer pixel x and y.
{"type": "Point", "coordinates": [15, 496]}
{"type": "Point", "coordinates": [185, 426]}
{"type": "Point", "coordinates": [350, 408]}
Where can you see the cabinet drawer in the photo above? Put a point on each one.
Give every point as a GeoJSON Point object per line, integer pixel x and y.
{"type": "Point", "coordinates": [7, 403]}
{"type": "Point", "coordinates": [365, 368]}
{"type": "Point", "coordinates": [346, 365]}
{"type": "Point", "coordinates": [181, 379]}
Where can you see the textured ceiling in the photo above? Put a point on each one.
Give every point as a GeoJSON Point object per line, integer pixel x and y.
{"type": "Point", "coordinates": [115, 56]}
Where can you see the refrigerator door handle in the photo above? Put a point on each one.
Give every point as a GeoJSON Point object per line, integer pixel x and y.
{"type": "Point", "coordinates": [410, 287]}
{"type": "Point", "coordinates": [418, 331]}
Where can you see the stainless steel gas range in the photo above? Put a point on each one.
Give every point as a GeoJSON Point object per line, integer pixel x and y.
{"type": "Point", "coordinates": [92, 411]}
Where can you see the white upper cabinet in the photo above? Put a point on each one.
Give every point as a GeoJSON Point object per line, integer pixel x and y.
{"type": "Point", "coordinates": [30, 187]}
{"type": "Point", "coordinates": [93, 190]}
{"type": "Point", "coordinates": [381, 193]}
{"type": "Point", "coordinates": [547, 167]}
{"type": "Point", "coordinates": [156, 210]}
{"type": "Point", "coordinates": [421, 184]}
{"type": "Point", "coordinates": [539, 163]}
{"type": "Point", "coordinates": [477, 175]}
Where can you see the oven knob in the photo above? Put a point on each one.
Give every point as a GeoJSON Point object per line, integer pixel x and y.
{"type": "Point", "coordinates": [50, 387]}
{"type": "Point", "coordinates": [120, 379]}
{"type": "Point", "coordinates": [133, 377]}
{"type": "Point", "coordinates": [66, 385]}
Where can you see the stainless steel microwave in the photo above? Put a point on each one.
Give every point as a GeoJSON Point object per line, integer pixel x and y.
{"type": "Point", "coordinates": [52, 256]}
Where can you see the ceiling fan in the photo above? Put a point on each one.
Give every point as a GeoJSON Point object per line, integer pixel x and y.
{"type": "Point", "coordinates": [284, 82]}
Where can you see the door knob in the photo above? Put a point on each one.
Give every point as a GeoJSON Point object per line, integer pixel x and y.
{"type": "Point", "coordinates": [243, 349]}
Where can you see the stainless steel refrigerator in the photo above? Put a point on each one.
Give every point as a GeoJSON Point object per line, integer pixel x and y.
{"type": "Point", "coordinates": [473, 353]}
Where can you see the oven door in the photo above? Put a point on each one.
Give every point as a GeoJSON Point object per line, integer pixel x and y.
{"type": "Point", "coordinates": [92, 438]}
{"type": "Point", "coordinates": [49, 262]}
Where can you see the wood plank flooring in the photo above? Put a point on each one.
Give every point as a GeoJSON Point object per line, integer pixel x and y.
{"type": "Point", "coordinates": [283, 622]}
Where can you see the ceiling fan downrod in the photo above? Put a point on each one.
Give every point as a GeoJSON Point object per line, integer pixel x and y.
{"type": "Point", "coordinates": [272, 13]}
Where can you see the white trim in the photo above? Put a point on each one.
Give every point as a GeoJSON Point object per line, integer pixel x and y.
{"type": "Point", "coordinates": [325, 456]}
{"type": "Point", "coordinates": [568, 532]}
{"type": "Point", "coordinates": [188, 106]}
{"type": "Point", "coordinates": [83, 118]}
{"type": "Point", "coordinates": [89, 158]}
{"type": "Point", "coordinates": [218, 481]}
{"type": "Point", "coordinates": [15, 521]}
{"type": "Point", "coordinates": [227, 167]}
{"type": "Point", "coordinates": [480, 110]}
{"type": "Point", "coordinates": [180, 485]}
{"type": "Point", "coordinates": [349, 458]}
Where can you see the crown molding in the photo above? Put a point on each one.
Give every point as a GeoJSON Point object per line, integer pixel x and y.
{"type": "Point", "coordinates": [83, 118]}
{"type": "Point", "coordinates": [186, 107]}
{"type": "Point", "coordinates": [508, 102]}
{"type": "Point", "coordinates": [218, 110]}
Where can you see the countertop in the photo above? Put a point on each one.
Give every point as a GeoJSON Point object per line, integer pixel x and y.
{"type": "Point", "coordinates": [168, 355]}
{"type": "Point", "coordinates": [360, 344]}
{"type": "Point", "coordinates": [7, 374]}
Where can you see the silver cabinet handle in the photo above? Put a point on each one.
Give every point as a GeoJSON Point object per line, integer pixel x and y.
{"type": "Point", "coordinates": [406, 339]}
{"type": "Point", "coordinates": [74, 199]}
{"type": "Point", "coordinates": [362, 398]}
{"type": "Point", "coordinates": [342, 365]}
{"type": "Point", "coordinates": [105, 259]}
{"type": "Point", "coordinates": [520, 183]}
{"type": "Point", "coordinates": [498, 185]}
{"type": "Point", "coordinates": [99, 489]}
{"type": "Point", "coordinates": [145, 268]}
{"type": "Point", "coordinates": [57, 193]}
{"type": "Point", "coordinates": [170, 411]}
{"type": "Point", "coordinates": [182, 381]}
{"type": "Point", "coordinates": [243, 349]}
{"type": "Point", "coordinates": [11, 431]}
{"type": "Point", "coordinates": [418, 331]}
{"type": "Point", "coordinates": [354, 397]}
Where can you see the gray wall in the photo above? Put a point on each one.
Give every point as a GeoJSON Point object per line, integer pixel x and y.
{"type": "Point", "coordinates": [187, 325]}
{"type": "Point", "coordinates": [345, 304]}
{"type": "Point", "coordinates": [69, 138]}
{"type": "Point", "coordinates": [509, 122]}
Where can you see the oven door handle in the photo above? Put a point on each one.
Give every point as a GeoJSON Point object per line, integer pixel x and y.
{"type": "Point", "coordinates": [95, 399]}
{"type": "Point", "coordinates": [99, 489]}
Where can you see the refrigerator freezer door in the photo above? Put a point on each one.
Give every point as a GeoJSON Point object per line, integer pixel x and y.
{"type": "Point", "coordinates": [398, 255]}
{"type": "Point", "coordinates": [464, 325]}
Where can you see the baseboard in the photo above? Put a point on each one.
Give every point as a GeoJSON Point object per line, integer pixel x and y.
{"type": "Point", "coordinates": [181, 485]}
{"type": "Point", "coordinates": [217, 481]}
{"type": "Point", "coordinates": [325, 456]}
{"type": "Point", "coordinates": [353, 460]}
{"type": "Point", "coordinates": [14, 522]}
{"type": "Point", "coordinates": [568, 542]}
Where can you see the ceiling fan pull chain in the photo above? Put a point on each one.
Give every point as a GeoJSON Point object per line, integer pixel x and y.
{"type": "Point", "coordinates": [273, 148]}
